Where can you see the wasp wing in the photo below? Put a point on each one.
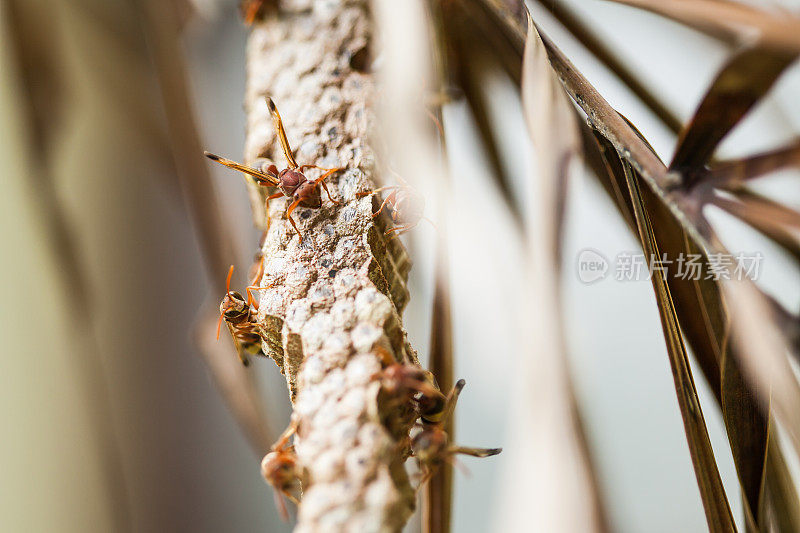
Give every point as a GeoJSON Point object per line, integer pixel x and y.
{"type": "Point", "coordinates": [276, 120]}
{"type": "Point", "coordinates": [267, 178]}
{"type": "Point", "coordinates": [240, 351]}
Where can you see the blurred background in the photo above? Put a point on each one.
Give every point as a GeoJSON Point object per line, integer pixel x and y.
{"type": "Point", "coordinates": [111, 421]}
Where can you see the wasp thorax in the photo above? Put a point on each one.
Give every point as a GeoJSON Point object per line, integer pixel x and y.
{"type": "Point", "coordinates": [291, 180]}
{"type": "Point", "coordinates": [309, 195]}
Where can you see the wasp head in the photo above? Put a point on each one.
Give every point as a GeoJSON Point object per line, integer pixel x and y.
{"type": "Point", "coordinates": [233, 305]}
{"type": "Point", "coordinates": [279, 469]}
{"type": "Point", "coordinates": [408, 208]}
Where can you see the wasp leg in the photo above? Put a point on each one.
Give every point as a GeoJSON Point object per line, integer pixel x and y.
{"type": "Point", "coordinates": [301, 168]}
{"type": "Point", "coordinates": [289, 210]}
{"type": "Point", "coordinates": [321, 181]}
{"type": "Point", "coordinates": [401, 229]}
{"type": "Point", "coordinates": [252, 288]}
{"type": "Point", "coordinates": [376, 191]}
{"type": "Point", "coordinates": [390, 198]}
{"type": "Point", "coordinates": [283, 440]}
{"type": "Point", "coordinates": [266, 205]}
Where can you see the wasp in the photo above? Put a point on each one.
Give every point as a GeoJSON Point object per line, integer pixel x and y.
{"type": "Point", "coordinates": [405, 205]}
{"type": "Point", "coordinates": [406, 384]}
{"type": "Point", "coordinates": [291, 181]}
{"type": "Point", "coordinates": [411, 385]}
{"type": "Point", "coordinates": [431, 446]}
{"type": "Point", "coordinates": [279, 468]}
{"type": "Point", "coordinates": [238, 315]}
{"type": "Point", "coordinates": [253, 9]}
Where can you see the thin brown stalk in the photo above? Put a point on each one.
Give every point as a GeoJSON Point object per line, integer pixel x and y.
{"type": "Point", "coordinates": [734, 22]}
{"type": "Point", "coordinates": [733, 173]}
{"type": "Point", "coordinates": [715, 502]}
{"type": "Point", "coordinates": [741, 83]}
{"type": "Point", "coordinates": [437, 506]}
{"type": "Point", "coordinates": [600, 50]}
{"type": "Point", "coordinates": [778, 222]}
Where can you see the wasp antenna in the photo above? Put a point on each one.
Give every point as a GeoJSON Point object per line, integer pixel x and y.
{"type": "Point", "coordinates": [431, 222]}
{"type": "Point", "coordinates": [219, 323]}
{"type": "Point", "coordinates": [271, 105]}
{"type": "Point", "coordinates": [228, 281]}
{"type": "Point", "coordinates": [452, 398]}
{"type": "Point", "coordinates": [476, 452]}
{"type": "Point", "coordinates": [209, 155]}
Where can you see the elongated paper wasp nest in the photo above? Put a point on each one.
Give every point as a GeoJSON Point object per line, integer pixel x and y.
{"type": "Point", "coordinates": [336, 299]}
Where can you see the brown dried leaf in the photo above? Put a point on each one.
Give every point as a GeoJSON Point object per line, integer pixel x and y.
{"type": "Point", "coordinates": [705, 330]}
{"type": "Point", "coordinates": [730, 21]}
{"type": "Point", "coordinates": [772, 219]}
{"type": "Point", "coordinates": [741, 83]}
{"type": "Point", "coordinates": [604, 53]}
{"type": "Point", "coordinates": [732, 173]}
{"type": "Point", "coordinates": [762, 347]}
{"type": "Point", "coordinates": [715, 502]}
{"type": "Point", "coordinates": [704, 323]}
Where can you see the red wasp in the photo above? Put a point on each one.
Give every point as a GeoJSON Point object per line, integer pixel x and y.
{"type": "Point", "coordinates": [238, 315]}
{"type": "Point", "coordinates": [431, 444]}
{"type": "Point", "coordinates": [252, 9]}
{"type": "Point", "coordinates": [291, 181]}
{"type": "Point", "coordinates": [406, 206]}
{"type": "Point", "coordinates": [410, 384]}
{"type": "Point", "coordinates": [279, 468]}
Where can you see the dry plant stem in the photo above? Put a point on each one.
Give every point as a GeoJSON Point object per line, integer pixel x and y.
{"type": "Point", "coordinates": [621, 134]}
{"type": "Point", "coordinates": [733, 173]}
{"type": "Point", "coordinates": [36, 60]}
{"type": "Point", "coordinates": [437, 509]}
{"type": "Point", "coordinates": [437, 503]}
{"type": "Point", "coordinates": [337, 297]}
{"type": "Point", "coordinates": [589, 39]}
{"type": "Point", "coordinates": [718, 513]}
{"type": "Point", "coordinates": [731, 21]}
{"type": "Point", "coordinates": [635, 151]}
